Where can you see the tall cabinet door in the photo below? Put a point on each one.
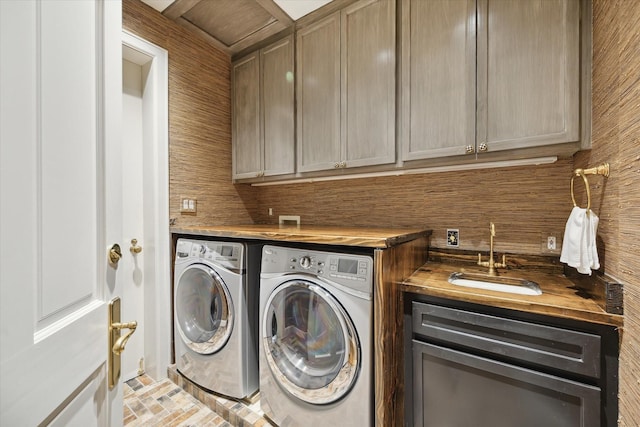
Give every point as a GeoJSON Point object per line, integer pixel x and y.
{"type": "Point", "coordinates": [247, 137]}
{"type": "Point", "coordinates": [276, 63]}
{"type": "Point", "coordinates": [318, 84]}
{"type": "Point", "coordinates": [437, 82]}
{"type": "Point", "coordinates": [368, 83]}
{"type": "Point", "coordinates": [528, 60]}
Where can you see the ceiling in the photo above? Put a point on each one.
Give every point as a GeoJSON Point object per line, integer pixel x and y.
{"type": "Point", "coordinates": [234, 25]}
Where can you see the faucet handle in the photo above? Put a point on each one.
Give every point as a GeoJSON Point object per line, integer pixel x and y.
{"type": "Point", "coordinates": [493, 229]}
{"type": "Point", "coordinates": [502, 264]}
{"type": "Point", "coordinates": [482, 263]}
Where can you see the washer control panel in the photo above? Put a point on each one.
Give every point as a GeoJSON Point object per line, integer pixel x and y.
{"type": "Point", "coordinates": [347, 269]}
{"type": "Point", "coordinates": [225, 254]}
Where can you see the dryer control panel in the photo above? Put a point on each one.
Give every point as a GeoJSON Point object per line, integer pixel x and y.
{"type": "Point", "coordinates": [354, 271]}
{"type": "Point", "coordinates": [225, 254]}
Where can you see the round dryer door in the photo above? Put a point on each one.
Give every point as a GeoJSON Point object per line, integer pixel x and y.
{"type": "Point", "coordinates": [204, 310]}
{"type": "Point", "coordinates": [310, 343]}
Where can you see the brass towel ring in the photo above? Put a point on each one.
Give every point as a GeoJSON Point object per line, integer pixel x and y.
{"type": "Point", "coordinates": [586, 185]}
{"type": "Point", "coordinates": [602, 169]}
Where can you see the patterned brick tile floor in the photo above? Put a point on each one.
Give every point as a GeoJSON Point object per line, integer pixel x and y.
{"type": "Point", "coordinates": [163, 403]}
{"type": "Point", "coordinates": [176, 401]}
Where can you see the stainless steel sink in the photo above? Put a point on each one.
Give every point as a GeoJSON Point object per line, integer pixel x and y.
{"type": "Point", "coordinates": [495, 283]}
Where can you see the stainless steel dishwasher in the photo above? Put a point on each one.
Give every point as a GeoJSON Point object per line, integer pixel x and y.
{"type": "Point", "coordinates": [473, 369]}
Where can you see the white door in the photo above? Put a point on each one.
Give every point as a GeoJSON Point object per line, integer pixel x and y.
{"type": "Point", "coordinates": [60, 209]}
{"type": "Point", "coordinates": [145, 211]}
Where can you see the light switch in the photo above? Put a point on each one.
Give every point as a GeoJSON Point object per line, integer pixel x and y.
{"type": "Point", "coordinates": [188, 206]}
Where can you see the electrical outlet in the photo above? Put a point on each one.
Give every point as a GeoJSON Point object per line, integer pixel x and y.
{"type": "Point", "coordinates": [453, 237]}
{"type": "Point", "coordinates": [550, 241]}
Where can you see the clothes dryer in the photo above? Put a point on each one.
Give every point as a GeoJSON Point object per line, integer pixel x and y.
{"type": "Point", "coordinates": [215, 315]}
{"type": "Point", "coordinates": [315, 352]}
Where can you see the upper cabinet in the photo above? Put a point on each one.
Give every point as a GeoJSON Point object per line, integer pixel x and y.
{"type": "Point", "coordinates": [346, 88]}
{"type": "Point", "coordinates": [263, 112]}
{"type": "Point", "coordinates": [318, 95]}
{"type": "Point", "coordinates": [528, 73]}
{"type": "Point", "coordinates": [478, 80]}
{"type": "Point", "coordinates": [437, 83]}
{"type": "Point", "coordinates": [520, 88]}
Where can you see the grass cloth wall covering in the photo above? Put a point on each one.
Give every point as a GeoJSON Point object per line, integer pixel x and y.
{"type": "Point", "coordinates": [616, 139]}
{"type": "Point", "coordinates": [199, 121]}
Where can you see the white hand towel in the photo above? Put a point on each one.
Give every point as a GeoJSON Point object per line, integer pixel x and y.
{"type": "Point", "coordinates": [579, 243]}
{"type": "Point", "coordinates": [591, 240]}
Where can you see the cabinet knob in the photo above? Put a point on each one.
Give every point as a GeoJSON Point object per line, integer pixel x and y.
{"type": "Point", "coordinates": [336, 166]}
{"type": "Point", "coordinates": [470, 149]}
{"type": "Point", "coordinates": [483, 147]}
{"type": "Point", "coordinates": [343, 164]}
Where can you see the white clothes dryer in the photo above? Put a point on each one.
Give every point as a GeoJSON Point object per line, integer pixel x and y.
{"type": "Point", "coordinates": [315, 351]}
{"type": "Point", "coordinates": [216, 314]}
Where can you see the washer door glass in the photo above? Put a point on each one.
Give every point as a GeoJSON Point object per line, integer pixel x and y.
{"type": "Point", "coordinates": [204, 310]}
{"type": "Point", "coordinates": [310, 343]}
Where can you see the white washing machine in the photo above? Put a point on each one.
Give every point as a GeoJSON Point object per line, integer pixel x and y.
{"type": "Point", "coordinates": [216, 315]}
{"type": "Point", "coordinates": [315, 352]}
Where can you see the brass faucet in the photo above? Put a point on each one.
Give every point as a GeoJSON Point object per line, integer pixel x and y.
{"type": "Point", "coordinates": [491, 263]}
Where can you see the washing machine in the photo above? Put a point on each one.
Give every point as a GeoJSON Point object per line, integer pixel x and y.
{"type": "Point", "coordinates": [315, 351]}
{"type": "Point", "coordinates": [216, 315]}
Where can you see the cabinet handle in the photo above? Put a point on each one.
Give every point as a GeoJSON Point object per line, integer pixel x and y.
{"type": "Point", "coordinates": [336, 166]}
{"type": "Point", "coordinates": [343, 164]}
{"type": "Point", "coordinates": [483, 147]}
{"type": "Point", "coordinates": [470, 149]}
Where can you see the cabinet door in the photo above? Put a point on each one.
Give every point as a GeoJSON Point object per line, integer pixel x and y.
{"type": "Point", "coordinates": [246, 131]}
{"type": "Point", "coordinates": [528, 73]}
{"type": "Point", "coordinates": [437, 82]}
{"type": "Point", "coordinates": [368, 83]}
{"type": "Point", "coordinates": [453, 388]}
{"type": "Point", "coordinates": [318, 83]}
{"type": "Point", "coordinates": [276, 62]}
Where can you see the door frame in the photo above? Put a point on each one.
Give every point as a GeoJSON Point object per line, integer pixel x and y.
{"type": "Point", "coordinates": [157, 266]}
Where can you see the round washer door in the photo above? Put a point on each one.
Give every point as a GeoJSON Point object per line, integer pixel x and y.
{"type": "Point", "coordinates": [204, 309]}
{"type": "Point", "coordinates": [310, 342]}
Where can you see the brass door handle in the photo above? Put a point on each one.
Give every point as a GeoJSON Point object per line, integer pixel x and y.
{"type": "Point", "coordinates": [117, 341]}
{"type": "Point", "coordinates": [134, 246]}
{"type": "Point", "coordinates": [118, 347]}
{"type": "Point", "coordinates": [115, 254]}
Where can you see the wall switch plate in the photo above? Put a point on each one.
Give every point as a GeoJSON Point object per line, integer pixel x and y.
{"type": "Point", "coordinates": [453, 237]}
{"type": "Point", "coordinates": [551, 243]}
{"type": "Point", "coordinates": [188, 206]}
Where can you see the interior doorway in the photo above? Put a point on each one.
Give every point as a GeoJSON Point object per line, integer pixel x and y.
{"type": "Point", "coordinates": [146, 261]}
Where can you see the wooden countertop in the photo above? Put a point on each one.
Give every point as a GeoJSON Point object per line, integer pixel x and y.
{"type": "Point", "coordinates": [560, 297]}
{"type": "Point", "coordinates": [346, 236]}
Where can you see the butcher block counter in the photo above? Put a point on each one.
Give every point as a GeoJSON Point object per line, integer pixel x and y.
{"type": "Point", "coordinates": [342, 236]}
{"type": "Point", "coordinates": [560, 296]}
